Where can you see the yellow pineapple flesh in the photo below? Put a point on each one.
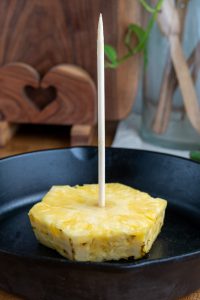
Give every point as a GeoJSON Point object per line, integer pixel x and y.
{"type": "Point", "coordinates": [69, 220]}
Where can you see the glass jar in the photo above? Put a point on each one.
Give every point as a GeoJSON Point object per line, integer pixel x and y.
{"type": "Point", "coordinates": [165, 121]}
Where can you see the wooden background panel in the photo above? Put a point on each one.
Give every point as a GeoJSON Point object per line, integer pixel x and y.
{"type": "Point", "coordinates": [49, 32]}
{"type": "Point", "coordinates": [128, 74]}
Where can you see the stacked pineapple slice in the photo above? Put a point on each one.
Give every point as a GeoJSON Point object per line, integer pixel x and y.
{"type": "Point", "coordinates": [69, 220]}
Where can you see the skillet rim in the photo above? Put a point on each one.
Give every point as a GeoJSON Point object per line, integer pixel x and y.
{"type": "Point", "coordinates": [108, 265]}
{"type": "Point", "coordinates": [95, 147]}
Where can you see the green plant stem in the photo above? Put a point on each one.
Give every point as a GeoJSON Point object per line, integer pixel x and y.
{"type": "Point", "coordinates": [154, 17]}
{"type": "Point", "coordinates": [142, 45]}
{"type": "Point", "coordinates": [147, 6]}
{"type": "Point", "coordinates": [149, 26]}
{"type": "Point", "coordinates": [119, 61]}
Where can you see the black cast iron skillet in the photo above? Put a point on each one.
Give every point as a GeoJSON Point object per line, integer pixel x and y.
{"type": "Point", "coordinates": [171, 270]}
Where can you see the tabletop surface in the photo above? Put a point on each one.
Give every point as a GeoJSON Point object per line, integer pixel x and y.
{"type": "Point", "coordinates": [30, 138]}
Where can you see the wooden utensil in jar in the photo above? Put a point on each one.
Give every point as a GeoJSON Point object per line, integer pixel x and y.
{"type": "Point", "coordinates": [170, 26]}
{"type": "Point", "coordinates": [169, 81]}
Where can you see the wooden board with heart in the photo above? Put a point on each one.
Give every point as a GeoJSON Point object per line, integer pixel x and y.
{"type": "Point", "coordinates": [66, 95]}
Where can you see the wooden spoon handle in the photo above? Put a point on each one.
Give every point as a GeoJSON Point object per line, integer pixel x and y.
{"type": "Point", "coordinates": [169, 81]}
{"type": "Point", "coordinates": [163, 110]}
{"type": "Point", "coordinates": [185, 82]}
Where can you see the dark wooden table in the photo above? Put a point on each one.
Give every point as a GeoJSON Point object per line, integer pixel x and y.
{"type": "Point", "coordinates": [30, 138]}
{"type": "Point", "coordinates": [33, 137]}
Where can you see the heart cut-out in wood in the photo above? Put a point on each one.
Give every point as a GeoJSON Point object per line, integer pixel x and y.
{"type": "Point", "coordinates": [65, 95]}
{"type": "Point", "coordinates": [41, 97]}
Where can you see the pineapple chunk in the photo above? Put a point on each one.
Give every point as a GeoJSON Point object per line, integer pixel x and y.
{"type": "Point", "coordinates": [69, 220]}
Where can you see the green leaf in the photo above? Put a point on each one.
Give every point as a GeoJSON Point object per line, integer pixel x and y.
{"type": "Point", "coordinates": [110, 53]}
{"type": "Point", "coordinates": [195, 155]}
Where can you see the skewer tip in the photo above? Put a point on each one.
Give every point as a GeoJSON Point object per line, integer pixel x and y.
{"type": "Point", "coordinates": [100, 25]}
{"type": "Point", "coordinates": [100, 18]}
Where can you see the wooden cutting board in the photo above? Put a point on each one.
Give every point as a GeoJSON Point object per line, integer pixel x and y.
{"type": "Point", "coordinates": [44, 34]}
{"type": "Point", "coordinates": [37, 37]}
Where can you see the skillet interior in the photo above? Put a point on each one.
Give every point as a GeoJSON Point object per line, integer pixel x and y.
{"type": "Point", "coordinates": [26, 178]}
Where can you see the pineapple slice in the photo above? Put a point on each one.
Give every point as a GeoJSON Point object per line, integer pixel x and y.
{"type": "Point", "coordinates": [69, 220]}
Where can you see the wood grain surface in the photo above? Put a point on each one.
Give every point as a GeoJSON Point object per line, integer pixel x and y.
{"type": "Point", "coordinates": [73, 91]}
{"type": "Point", "coordinates": [65, 95]}
{"type": "Point", "coordinates": [44, 34]}
{"type": "Point", "coordinates": [7, 130]}
{"type": "Point", "coordinates": [38, 137]}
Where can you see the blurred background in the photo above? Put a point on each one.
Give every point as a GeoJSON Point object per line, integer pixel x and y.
{"type": "Point", "coordinates": [48, 74]}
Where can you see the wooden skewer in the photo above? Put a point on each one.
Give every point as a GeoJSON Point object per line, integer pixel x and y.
{"type": "Point", "coordinates": [101, 113]}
